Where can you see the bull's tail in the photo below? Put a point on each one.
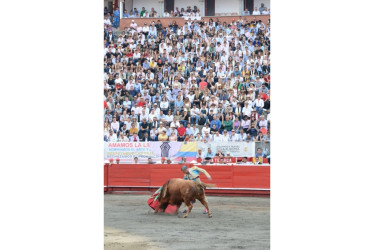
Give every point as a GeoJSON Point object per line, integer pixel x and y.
{"type": "Point", "coordinates": [163, 190]}
{"type": "Point", "coordinates": [205, 185]}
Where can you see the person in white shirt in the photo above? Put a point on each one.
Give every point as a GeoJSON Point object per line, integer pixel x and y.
{"type": "Point", "coordinates": [263, 122]}
{"type": "Point", "coordinates": [205, 129]}
{"type": "Point", "coordinates": [151, 115]}
{"type": "Point", "coordinates": [195, 114]}
{"type": "Point", "coordinates": [217, 137]}
{"type": "Point", "coordinates": [256, 12]}
{"type": "Point", "coordinates": [161, 129]}
{"type": "Point", "coordinates": [174, 123]}
{"type": "Point", "coordinates": [225, 136]}
{"type": "Point", "coordinates": [195, 130]}
{"type": "Point", "coordinates": [247, 110]}
{"type": "Point", "coordinates": [112, 136]}
{"type": "Point", "coordinates": [157, 109]}
{"type": "Point", "coordinates": [122, 138]}
{"type": "Point", "coordinates": [259, 104]}
{"type": "Point", "coordinates": [241, 136]}
{"type": "Point", "coordinates": [114, 125]}
{"type": "Point", "coordinates": [169, 117]}
{"type": "Point", "coordinates": [265, 12]}
{"type": "Point", "coordinates": [164, 104]}
{"type": "Point", "coordinates": [133, 25]}
{"type": "Point", "coordinates": [107, 21]}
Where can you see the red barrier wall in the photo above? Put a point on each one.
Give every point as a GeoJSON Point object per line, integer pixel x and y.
{"type": "Point", "coordinates": [150, 176]}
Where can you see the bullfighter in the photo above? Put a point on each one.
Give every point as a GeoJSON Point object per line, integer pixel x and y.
{"type": "Point", "coordinates": [193, 174]}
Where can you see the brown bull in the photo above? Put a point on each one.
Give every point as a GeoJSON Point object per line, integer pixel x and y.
{"type": "Point", "coordinates": [175, 191]}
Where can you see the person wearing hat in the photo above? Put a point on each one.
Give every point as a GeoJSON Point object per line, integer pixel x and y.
{"type": "Point", "coordinates": [163, 160]}
{"type": "Point", "coordinates": [193, 174]}
{"type": "Point", "coordinates": [133, 25]}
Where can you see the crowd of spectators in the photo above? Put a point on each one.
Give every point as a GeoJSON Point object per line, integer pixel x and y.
{"type": "Point", "coordinates": [203, 81]}
{"type": "Point", "coordinates": [187, 12]}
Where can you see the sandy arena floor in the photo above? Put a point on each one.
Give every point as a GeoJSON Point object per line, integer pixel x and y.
{"type": "Point", "coordinates": [237, 223]}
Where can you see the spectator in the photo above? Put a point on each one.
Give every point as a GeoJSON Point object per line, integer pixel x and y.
{"type": "Point", "coordinates": [134, 137]}
{"type": "Point", "coordinates": [219, 153]}
{"type": "Point", "coordinates": [262, 8]}
{"type": "Point", "coordinates": [181, 132]}
{"type": "Point", "coordinates": [209, 154]}
{"type": "Point", "coordinates": [267, 136]}
{"type": "Point", "coordinates": [218, 73]}
{"type": "Point", "coordinates": [112, 136]}
{"type": "Point", "coordinates": [123, 137]}
{"type": "Point", "coordinates": [246, 12]}
{"type": "Point", "coordinates": [183, 160]}
{"type": "Point", "coordinates": [263, 122]}
{"type": "Point", "coordinates": [145, 138]}
{"type": "Point", "coordinates": [136, 160]}
{"type": "Point", "coordinates": [163, 136]}
{"type": "Point", "coordinates": [256, 12]}
{"type": "Point", "coordinates": [253, 132]}
{"type": "Point", "coordinates": [173, 137]}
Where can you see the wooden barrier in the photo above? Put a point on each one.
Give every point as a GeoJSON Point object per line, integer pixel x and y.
{"type": "Point", "coordinates": [240, 180]}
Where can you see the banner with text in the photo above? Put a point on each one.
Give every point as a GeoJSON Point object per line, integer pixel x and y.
{"type": "Point", "coordinates": [127, 151]}
{"type": "Point", "coordinates": [236, 149]}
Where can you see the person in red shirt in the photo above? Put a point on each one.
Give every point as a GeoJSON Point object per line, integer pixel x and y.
{"type": "Point", "coordinates": [267, 78]}
{"type": "Point", "coordinates": [263, 95]}
{"type": "Point", "coordinates": [263, 130]}
{"type": "Point", "coordinates": [203, 84]}
{"type": "Point", "coordinates": [181, 132]}
{"type": "Point", "coordinates": [141, 103]}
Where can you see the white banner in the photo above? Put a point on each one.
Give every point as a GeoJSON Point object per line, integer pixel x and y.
{"type": "Point", "coordinates": [237, 149]}
{"type": "Point", "coordinates": [126, 151]}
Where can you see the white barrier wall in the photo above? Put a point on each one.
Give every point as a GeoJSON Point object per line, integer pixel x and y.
{"type": "Point", "coordinates": [224, 6]}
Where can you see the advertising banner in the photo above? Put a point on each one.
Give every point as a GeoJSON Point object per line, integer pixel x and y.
{"type": "Point", "coordinates": [236, 149]}
{"type": "Point", "coordinates": [127, 151]}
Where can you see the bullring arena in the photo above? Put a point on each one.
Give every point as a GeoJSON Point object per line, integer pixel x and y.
{"type": "Point", "coordinates": [237, 223]}
{"type": "Point", "coordinates": [241, 216]}
{"type": "Point", "coordinates": [187, 83]}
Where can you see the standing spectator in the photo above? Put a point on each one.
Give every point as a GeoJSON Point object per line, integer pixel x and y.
{"type": "Point", "coordinates": [116, 17]}
{"type": "Point", "coordinates": [262, 8]}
